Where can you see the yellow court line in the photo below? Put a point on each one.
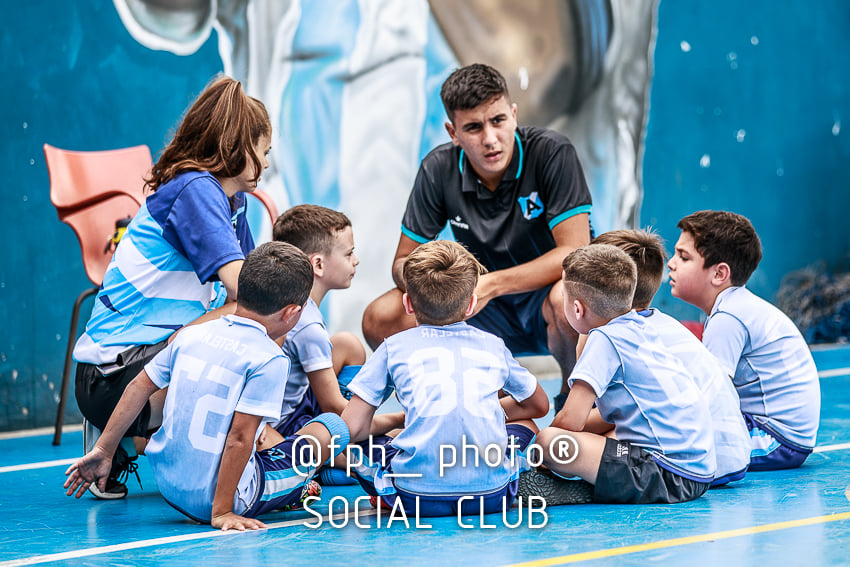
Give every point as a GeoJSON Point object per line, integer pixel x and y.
{"type": "Point", "coordinates": [612, 552]}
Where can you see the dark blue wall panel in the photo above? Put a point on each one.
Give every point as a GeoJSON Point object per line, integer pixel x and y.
{"type": "Point", "coordinates": [750, 112]}
{"type": "Point", "coordinates": [73, 77]}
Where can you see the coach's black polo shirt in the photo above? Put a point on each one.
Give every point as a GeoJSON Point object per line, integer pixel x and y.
{"type": "Point", "coordinates": [543, 186]}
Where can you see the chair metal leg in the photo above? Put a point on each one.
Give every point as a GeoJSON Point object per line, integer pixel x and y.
{"type": "Point", "coordinates": [66, 372]}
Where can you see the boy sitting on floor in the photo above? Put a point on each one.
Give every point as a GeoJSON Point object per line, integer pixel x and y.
{"type": "Point", "coordinates": [226, 379]}
{"type": "Point", "coordinates": [663, 448]}
{"type": "Point", "coordinates": [731, 438]}
{"type": "Point", "coordinates": [759, 346]}
{"type": "Point", "coordinates": [318, 359]}
{"type": "Point", "coordinates": [447, 376]}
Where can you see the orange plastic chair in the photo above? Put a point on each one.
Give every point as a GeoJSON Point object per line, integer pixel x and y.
{"type": "Point", "coordinates": [91, 191]}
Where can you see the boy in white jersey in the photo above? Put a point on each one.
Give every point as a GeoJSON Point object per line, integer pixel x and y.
{"type": "Point", "coordinates": [662, 449]}
{"type": "Point", "coordinates": [447, 376]}
{"type": "Point", "coordinates": [318, 359]}
{"type": "Point", "coordinates": [731, 437]}
{"type": "Point", "coordinates": [759, 346]}
{"type": "Point", "coordinates": [215, 458]}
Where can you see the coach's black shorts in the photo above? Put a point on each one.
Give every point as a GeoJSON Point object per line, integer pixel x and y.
{"type": "Point", "coordinates": [98, 389]}
{"type": "Point", "coordinates": [629, 475]}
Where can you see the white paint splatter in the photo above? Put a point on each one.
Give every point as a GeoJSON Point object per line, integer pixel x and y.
{"type": "Point", "coordinates": [754, 40]}
{"type": "Point", "coordinates": [685, 46]}
{"type": "Point", "coordinates": [523, 78]}
{"type": "Point", "coordinates": [705, 161]}
{"type": "Point", "coordinates": [740, 135]}
{"type": "Point", "coordinates": [25, 125]}
{"type": "Point", "coordinates": [836, 128]}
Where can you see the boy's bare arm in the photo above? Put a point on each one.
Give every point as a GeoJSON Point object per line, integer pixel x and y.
{"type": "Point", "coordinates": [96, 464]}
{"type": "Point", "coordinates": [357, 415]}
{"type": "Point", "coordinates": [576, 410]}
{"type": "Point", "coordinates": [238, 448]}
{"type": "Point", "coordinates": [325, 387]}
{"type": "Point", "coordinates": [383, 423]}
{"type": "Point", "coordinates": [535, 405]}
{"type": "Point", "coordinates": [595, 423]}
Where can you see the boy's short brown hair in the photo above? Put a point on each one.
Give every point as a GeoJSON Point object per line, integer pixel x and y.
{"type": "Point", "coordinates": [721, 236]}
{"type": "Point", "coordinates": [601, 276]}
{"type": "Point", "coordinates": [440, 278]}
{"type": "Point", "coordinates": [310, 227]}
{"type": "Point", "coordinates": [274, 275]}
{"type": "Point", "coordinates": [646, 249]}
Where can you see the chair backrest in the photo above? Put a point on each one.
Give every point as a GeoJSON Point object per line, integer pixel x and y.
{"type": "Point", "coordinates": [79, 179]}
{"type": "Point", "coordinates": [94, 225]}
{"type": "Point", "coordinates": [91, 191]}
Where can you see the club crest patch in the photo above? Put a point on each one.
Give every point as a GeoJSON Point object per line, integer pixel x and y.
{"type": "Point", "coordinates": [531, 206]}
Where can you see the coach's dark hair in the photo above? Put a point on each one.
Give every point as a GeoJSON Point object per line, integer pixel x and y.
{"type": "Point", "coordinates": [471, 86]}
{"type": "Point", "coordinates": [274, 275]}
{"type": "Point", "coordinates": [721, 236]}
{"type": "Point", "coordinates": [310, 227]}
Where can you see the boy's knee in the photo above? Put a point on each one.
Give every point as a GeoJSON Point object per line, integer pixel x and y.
{"type": "Point", "coordinates": [383, 317]}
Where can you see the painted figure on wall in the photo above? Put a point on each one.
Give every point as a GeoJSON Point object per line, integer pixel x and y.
{"type": "Point", "coordinates": [352, 88]}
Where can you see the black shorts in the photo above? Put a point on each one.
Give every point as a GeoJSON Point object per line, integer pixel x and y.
{"type": "Point", "coordinates": [98, 388]}
{"type": "Point", "coordinates": [629, 475]}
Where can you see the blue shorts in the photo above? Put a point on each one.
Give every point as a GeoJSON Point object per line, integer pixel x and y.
{"type": "Point", "coordinates": [518, 320]}
{"type": "Point", "coordinates": [301, 415]}
{"type": "Point", "coordinates": [382, 451]}
{"type": "Point", "coordinates": [770, 452]}
{"type": "Point", "coordinates": [285, 469]}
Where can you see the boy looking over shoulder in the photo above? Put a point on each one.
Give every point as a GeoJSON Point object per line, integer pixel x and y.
{"type": "Point", "coordinates": [731, 437]}
{"type": "Point", "coordinates": [226, 380]}
{"type": "Point", "coordinates": [759, 346]}
{"type": "Point", "coordinates": [663, 450]}
{"type": "Point", "coordinates": [326, 237]}
{"type": "Point", "coordinates": [447, 377]}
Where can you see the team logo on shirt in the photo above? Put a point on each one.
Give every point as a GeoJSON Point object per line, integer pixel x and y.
{"type": "Point", "coordinates": [531, 206]}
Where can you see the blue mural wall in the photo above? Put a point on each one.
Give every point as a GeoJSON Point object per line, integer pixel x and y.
{"type": "Point", "coordinates": [750, 112]}
{"type": "Point", "coordinates": [72, 77]}
{"type": "Point", "coordinates": [746, 113]}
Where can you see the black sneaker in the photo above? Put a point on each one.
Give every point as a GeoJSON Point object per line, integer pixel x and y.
{"type": "Point", "coordinates": [554, 490]}
{"type": "Point", "coordinates": [122, 466]}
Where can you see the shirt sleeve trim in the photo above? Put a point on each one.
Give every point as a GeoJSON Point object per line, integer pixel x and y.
{"type": "Point", "coordinates": [571, 213]}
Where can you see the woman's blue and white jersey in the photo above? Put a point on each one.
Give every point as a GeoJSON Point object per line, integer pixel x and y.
{"type": "Point", "coordinates": [447, 379]}
{"type": "Point", "coordinates": [308, 347]}
{"type": "Point", "coordinates": [649, 395]}
{"type": "Point", "coordinates": [211, 371]}
{"type": "Point", "coordinates": [731, 436]}
{"type": "Point", "coordinates": [770, 362]}
{"type": "Point", "coordinates": [163, 273]}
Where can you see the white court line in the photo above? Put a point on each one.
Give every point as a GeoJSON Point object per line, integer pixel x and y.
{"type": "Point", "coordinates": [827, 448]}
{"type": "Point", "coordinates": [211, 533]}
{"type": "Point", "coordinates": [833, 373]}
{"type": "Point", "coordinates": [41, 465]}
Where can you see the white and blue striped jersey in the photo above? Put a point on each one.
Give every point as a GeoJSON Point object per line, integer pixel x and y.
{"type": "Point", "coordinates": [447, 379]}
{"type": "Point", "coordinates": [163, 273]}
{"type": "Point", "coordinates": [731, 436]}
{"type": "Point", "coordinates": [649, 395]}
{"type": "Point", "coordinates": [211, 371]}
{"type": "Point", "coordinates": [308, 347]}
{"type": "Point", "coordinates": [772, 367]}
